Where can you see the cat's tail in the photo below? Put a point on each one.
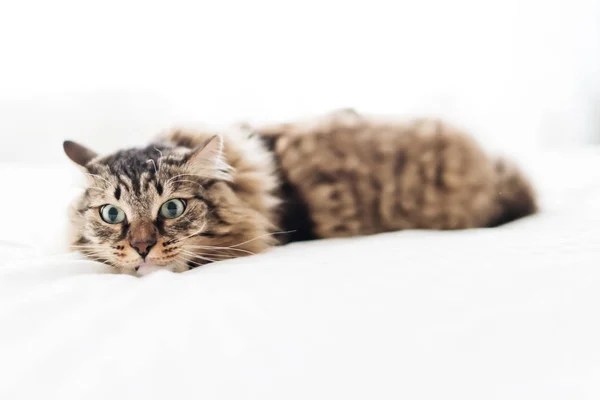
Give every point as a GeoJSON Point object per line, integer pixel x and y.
{"type": "Point", "coordinates": [515, 195]}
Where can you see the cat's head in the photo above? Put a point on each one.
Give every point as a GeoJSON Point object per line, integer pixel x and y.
{"type": "Point", "coordinates": [170, 205]}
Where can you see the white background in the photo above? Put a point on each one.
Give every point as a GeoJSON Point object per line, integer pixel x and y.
{"type": "Point", "coordinates": [507, 313]}
{"type": "Point", "coordinates": [519, 74]}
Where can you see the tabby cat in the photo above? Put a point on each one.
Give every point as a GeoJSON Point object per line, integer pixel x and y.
{"type": "Point", "coordinates": [193, 197]}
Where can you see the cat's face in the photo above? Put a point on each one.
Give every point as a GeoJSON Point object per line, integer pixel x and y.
{"type": "Point", "coordinates": [159, 206]}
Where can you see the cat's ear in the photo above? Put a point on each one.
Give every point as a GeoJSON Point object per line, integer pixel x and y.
{"type": "Point", "coordinates": [208, 160]}
{"type": "Point", "coordinates": [77, 153]}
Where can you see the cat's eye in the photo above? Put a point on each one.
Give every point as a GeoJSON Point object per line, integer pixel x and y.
{"type": "Point", "coordinates": [112, 214]}
{"type": "Point", "coordinates": [172, 208]}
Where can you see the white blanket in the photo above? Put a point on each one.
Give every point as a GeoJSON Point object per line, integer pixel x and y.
{"type": "Point", "coordinates": [506, 313]}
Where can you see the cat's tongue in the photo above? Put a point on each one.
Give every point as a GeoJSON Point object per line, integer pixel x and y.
{"type": "Point", "coordinates": [145, 269]}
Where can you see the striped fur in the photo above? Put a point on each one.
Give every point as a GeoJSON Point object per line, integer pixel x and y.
{"type": "Point", "coordinates": [341, 175]}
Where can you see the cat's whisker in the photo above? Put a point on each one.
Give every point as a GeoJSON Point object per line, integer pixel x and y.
{"type": "Point", "coordinates": [193, 234]}
{"type": "Point", "coordinates": [90, 249]}
{"type": "Point", "coordinates": [96, 258]}
{"type": "Point", "coordinates": [159, 158]}
{"type": "Point", "coordinates": [154, 164]}
{"type": "Point", "coordinates": [187, 258]}
{"type": "Point", "coordinates": [220, 255]}
{"type": "Point", "coordinates": [93, 250]}
{"type": "Point", "coordinates": [200, 257]}
{"type": "Point", "coordinates": [204, 259]}
{"type": "Point", "coordinates": [110, 264]}
{"type": "Point", "coordinates": [197, 255]}
{"type": "Point", "coordinates": [221, 248]}
{"type": "Point", "coordinates": [182, 264]}
{"type": "Point", "coordinates": [188, 261]}
{"type": "Point", "coordinates": [101, 258]}
{"type": "Point", "coordinates": [181, 257]}
{"type": "Point", "coordinates": [90, 255]}
{"type": "Point", "coordinates": [102, 261]}
{"type": "Point", "coordinates": [192, 264]}
{"type": "Point", "coordinates": [206, 251]}
{"type": "Point", "coordinates": [177, 176]}
{"type": "Point", "coordinates": [262, 236]}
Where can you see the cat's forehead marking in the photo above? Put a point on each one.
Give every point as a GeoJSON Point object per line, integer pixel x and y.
{"type": "Point", "coordinates": [135, 161]}
{"type": "Point", "coordinates": [139, 180]}
{"type": "Point", "coordinates": [135, 169]}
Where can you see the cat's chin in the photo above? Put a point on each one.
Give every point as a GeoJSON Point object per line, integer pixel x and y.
{"type": "Point", "coordinates": [147, 268]}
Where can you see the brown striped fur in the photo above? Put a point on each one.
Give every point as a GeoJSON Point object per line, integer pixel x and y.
{"type": "Point", "coordinates": [340, 175]}
{"type": "Point", "coordinates": [363, 175]}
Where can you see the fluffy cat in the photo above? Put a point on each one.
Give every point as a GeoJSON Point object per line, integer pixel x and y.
{"type": "Point", "coordinates": [193, 197]}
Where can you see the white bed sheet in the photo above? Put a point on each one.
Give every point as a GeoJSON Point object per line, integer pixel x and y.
{"type": "Point", "coordinates": [506, 313]}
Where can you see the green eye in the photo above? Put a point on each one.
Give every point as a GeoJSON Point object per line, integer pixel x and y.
{"type": "Point", "coordinates": [172, 208]}
{"type": "Point", "coordinates": [112, 214]}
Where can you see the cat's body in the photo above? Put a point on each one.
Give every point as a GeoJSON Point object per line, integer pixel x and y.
{"type": "Point", "coordinates": [340, 175]}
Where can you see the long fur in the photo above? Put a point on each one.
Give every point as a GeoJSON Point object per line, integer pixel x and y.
{"type": "Point", "coordinates": [341, 175]}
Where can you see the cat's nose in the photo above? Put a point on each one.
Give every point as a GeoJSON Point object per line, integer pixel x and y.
{"type": "Point", "coordinates": [143, 247]}
{"type": "Point", "coordinates": [142, 236]}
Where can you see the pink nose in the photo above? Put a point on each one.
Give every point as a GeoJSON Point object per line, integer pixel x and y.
{"type": "Point", "coordinates": [142, 236]}
{"type": "Point", "coordinates": [143, 247]}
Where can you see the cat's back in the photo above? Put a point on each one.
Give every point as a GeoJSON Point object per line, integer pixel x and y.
{"type": "Point", "coordinates": [355, 175]}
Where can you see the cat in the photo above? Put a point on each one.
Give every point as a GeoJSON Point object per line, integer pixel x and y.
{"type": "Point", "coordinates": [194, 197]}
